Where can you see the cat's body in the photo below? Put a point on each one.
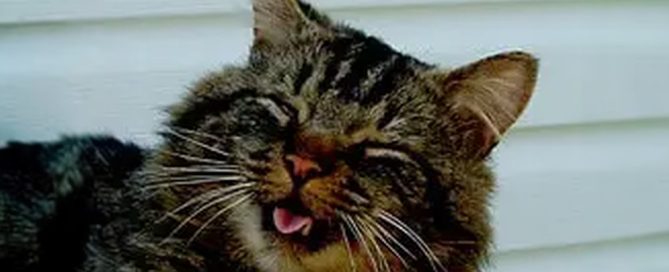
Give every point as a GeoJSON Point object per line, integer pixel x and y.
{"type": "Point", "coordinates": [329, 151]}
{"type": "Point", "coordinates": [55, 196]}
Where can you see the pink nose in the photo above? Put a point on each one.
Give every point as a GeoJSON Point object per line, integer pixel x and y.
{"type": "Point", "coordinates": [302, 167]}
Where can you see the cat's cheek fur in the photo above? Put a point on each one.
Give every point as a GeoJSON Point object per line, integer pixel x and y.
{"type": "Point", "coordinates": [267, 253]}
{"type": "Point", "coordinates": [248, 228]}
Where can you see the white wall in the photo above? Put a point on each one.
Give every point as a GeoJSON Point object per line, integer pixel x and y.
{"type": "Point", "coordinates": [582, 179]}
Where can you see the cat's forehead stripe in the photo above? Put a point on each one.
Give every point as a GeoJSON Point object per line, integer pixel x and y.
{"type": "Point", "coordinates": [387, 81]}
{"type": "Point", "coordinates": [359, 69]}
{"type": "Point", "coordinates": [339, 50]}
{"type": "Point", "coordinates": [352, 62]}
{"type": "Point", "coordinates": [368, 56]}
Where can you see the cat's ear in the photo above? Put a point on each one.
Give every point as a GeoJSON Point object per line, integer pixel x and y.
{"type": "Point", "coordinates": [278, 21]}
{"type": "Point", "coordinates": [487, 97]}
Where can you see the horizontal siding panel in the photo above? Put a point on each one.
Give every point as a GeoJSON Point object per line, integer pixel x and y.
{"type": "Point", "coordinates": [586, 163]}
{"type": "Point", "coordinates": [120, 104]}
{"type": "Point", "coordinates": [638, 254]}
{"type": "Point", "coordinates": [599, 61]}
{"type": "Point", "coordinates": [587, 51]}
{"type": "Point", "coordinates": [21, 11]}
{"type": "Point", "coordinates": [577, 184]}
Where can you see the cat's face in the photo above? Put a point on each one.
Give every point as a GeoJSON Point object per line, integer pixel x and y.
{"type": "Point", "coordinates": [331, 151]}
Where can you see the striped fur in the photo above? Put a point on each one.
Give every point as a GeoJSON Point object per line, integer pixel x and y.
{"type": "Point", "coordinates": [396, 177]}
{"type": "Point", "coordinates": [346, 90]}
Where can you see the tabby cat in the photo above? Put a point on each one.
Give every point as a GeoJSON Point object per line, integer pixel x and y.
{"type": "Point", "coordinates": [328, 151]}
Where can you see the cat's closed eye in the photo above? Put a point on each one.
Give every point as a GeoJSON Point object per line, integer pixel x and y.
{"type": "Point", "coordinates": [283, 114]}
{"type": "Point", "coordinates": [373, 152]}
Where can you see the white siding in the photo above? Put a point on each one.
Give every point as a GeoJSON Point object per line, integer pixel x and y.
{"type": "Point", "coordinates": [582, 179]}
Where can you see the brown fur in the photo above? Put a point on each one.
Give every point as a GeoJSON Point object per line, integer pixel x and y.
{"type": "Point", "coordinates": [345, 93]}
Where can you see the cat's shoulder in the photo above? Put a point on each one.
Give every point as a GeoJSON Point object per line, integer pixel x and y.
{"type": "Point", "coordinates": [52, 192]}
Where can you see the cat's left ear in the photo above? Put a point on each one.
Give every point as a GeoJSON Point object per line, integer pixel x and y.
{"type": "Point", "coordinates": [487, 97]}
{"type": "Point", "coordinates": [280, 21]}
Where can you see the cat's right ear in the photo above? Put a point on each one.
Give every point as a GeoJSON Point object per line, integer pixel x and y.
{"type": "Point", "coordinates": [278, 21]}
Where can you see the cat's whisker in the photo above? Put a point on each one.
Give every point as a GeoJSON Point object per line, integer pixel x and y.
{"type": "Point", "coordinates": [374, 228]}
{"type": "Point", "coordinates": [395, 222]}
{"type": "Point", "coordinates": [201, 198]}
{"type": "Point", "coordinates": [198, 143]}
{"type": "Point", "coordinates": [349, 251]}
{"type": "Point", "coordinates": [162, 179]}
{"type": "Point", "coordinates": [361, 239]}
{"type": "Point", "coordinates": [169, 184]}
{"type": "Point", "coordinates": [197, 168]}
{"type": "Point", "coordinates": [202, 209]}
{"type": "Point", "coordinates": [390, 236]}
{"type": "Point", "coordinates": [203, 172]}
{"type": "Point", "coordinates": [180, 176]}
{"type": "Point", "coordinates": [238, 202]}
{"type": "Point", "coordinates": [198, 133]}
{"type": "Point", "coordinates": [206, 196]}
{"type": "Point", "coordinates": [383, 260]}
{"type": "Point", "coordinates": [192, 158]}
{"type": "Point", "coordinates": [411, 235]}
{"type": "Point", "coordinates": [355, 197]}
{"type": "Point", "coordinates": [176, 176]}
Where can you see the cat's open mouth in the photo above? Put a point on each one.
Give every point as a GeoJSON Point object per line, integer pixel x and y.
{"type": "Point", "coordinates": [296, 227]}
{"type": "Point", "coordinates": [288, 222]}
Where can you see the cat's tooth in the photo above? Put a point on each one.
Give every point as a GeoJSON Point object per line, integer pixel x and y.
{"type": "Point", "coordinates": [307, 229]}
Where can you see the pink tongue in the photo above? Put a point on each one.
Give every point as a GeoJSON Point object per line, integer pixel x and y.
{"type": "Point", "coordinates": [288, 223]}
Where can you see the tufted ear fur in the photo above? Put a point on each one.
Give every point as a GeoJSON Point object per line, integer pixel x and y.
{"type": "Point", "coordinates": [487, 97]}
{"type": "Point", "coordinates": [279, 21]}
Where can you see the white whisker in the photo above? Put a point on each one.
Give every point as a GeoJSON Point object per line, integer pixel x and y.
{"type": "Point", "coordinates": [198, 143]}
{"type": "Point", "coordinates": [355, 197]}
{"type": "Point", "coordinates": [199, 133]}
{"type": "Point", "coordinates": [168, 184]}
{"type": "Point", "coordinates": [349, 251]}
{"type": "Point", "coordinates": [373, 227]}
{"type": "Point", "coordinates": [202, 209]}
{"type": "Point", "coordinates": [206, 196]}
{"type": "Point", "coordinates": [203, 197]}
{"type": "Point", "coordinates": [392, 238]}
{"type": "Point", "coordinates": [358, 236]}
{"type": "Point", "coordinates": [383, 261]}
{"type": "Point", "coordinates": [392, 220]}
{"type": "Point", "coordinates": [375, 237]}
{"type": "Point", "coordinates": [194, 158]}
{"type": "Point", "coordinates": [197, 169]}
{"type": "Point", "coordinates": [218, 214]}
{"type": "Point", "coordinates": [164, 176]}
{"type": "Point", "coordinates": [165, 179]}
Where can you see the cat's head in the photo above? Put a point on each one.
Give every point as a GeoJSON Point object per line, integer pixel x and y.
{"type": "Point", "coordinates": [331, 150]}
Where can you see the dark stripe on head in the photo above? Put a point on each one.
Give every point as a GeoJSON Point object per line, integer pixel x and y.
{"type": "Point", "coordinates": [339, 51]}
{"type": "Point", "coordinates": [387, 83]}
{"type": "Point", "coordinates": [391, 111]}
{"type": "Point", "coordinates": [305, 73]}
{"type": "Point", "coordinates": [372, 53]}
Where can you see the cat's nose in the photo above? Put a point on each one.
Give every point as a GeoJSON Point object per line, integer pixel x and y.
{"type": "Point", "coordinates": [302, 168]}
